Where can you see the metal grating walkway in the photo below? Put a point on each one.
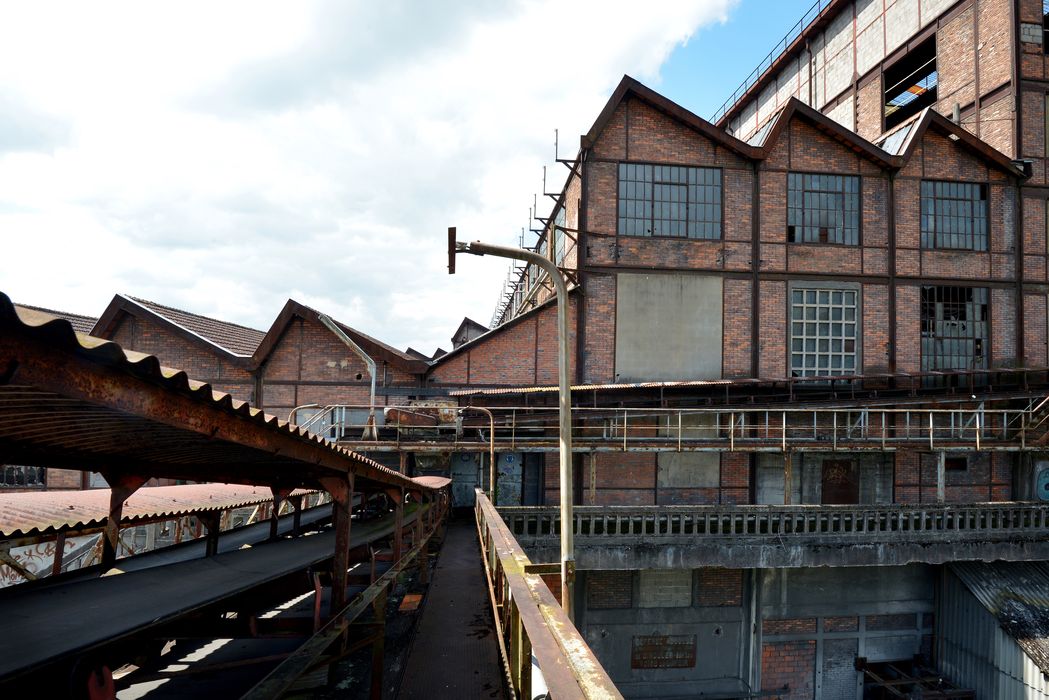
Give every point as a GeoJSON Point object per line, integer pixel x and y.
{"type": "Point", "coordinates": [455, 653]}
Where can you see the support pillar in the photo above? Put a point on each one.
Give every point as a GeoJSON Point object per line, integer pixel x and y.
{"type": "Point", "coordinates": [279, 495]}
{"type": "Point", "coordinates": [341, 490]}
{"type": "Point", "coordinates": [120, 489]}
{"type": "Point", "coordinates": [296, 523]}
{"type": "Point", "coordinates": [788, 478]}
{"type": "Point", "coordinates": [213, 524]}
{"type": "Point", "coordinates": [941, 476]}
{"type": "Point", "coordinates": [397, 496]}
{"type": "Point", "coordinates": [378, 644]}
{"type": "Point", "coordinates": [60, 552]}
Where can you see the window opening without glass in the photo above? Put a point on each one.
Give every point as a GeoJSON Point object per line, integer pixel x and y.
{"type": "Point", "coordinates": [823, 208]}
{"type": "Point", "coordinates": [823, 332]}
{"type": "Point", "coordinates": [954, 328]}
{"type": "Point", "coordinates": [669, 200]}
{"type": "Point", "coordinates": [910, 83]}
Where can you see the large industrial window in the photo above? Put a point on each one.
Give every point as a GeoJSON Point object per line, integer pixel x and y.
{"type": "Point", "coordinates": [823, 208]}
{"type": "Point", "coordinates": [669, 200]}
{"type": "Point", "coordinates": [954, 215]}
{"type": "Point", "coordinates": [910, 83]}
{"type": "Point", "coordinates": [1045, 26]}
{"type": "Point", "coordinates": [559, 236]}
{"type": "Point", "coordinates": [823, 332]}
{"type": "Point", "coordinates": [954, 328]}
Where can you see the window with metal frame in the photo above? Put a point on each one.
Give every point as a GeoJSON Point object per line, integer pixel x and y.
{"type": "Point", "coordinates": [954, 328]}
{"type": "Point", "coordinates": [18, 476]}
{"type": "Point", "coordinates": [669, 200]}
{"type": "Point", "coordinates": [1045, 26]}
{"type": "Point", "coordinates": [953, 215]}
{"type": "Point", "coordinates": [823, 208]}
{"type": "Point", "coordinates": [559, 237]}
{"type": "Point", "coordinates": [823, 333]}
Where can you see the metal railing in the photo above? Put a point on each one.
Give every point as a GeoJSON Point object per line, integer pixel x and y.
{"type": "Point", "coordinates": [766, 63]}
{"type": "Point", "coordinates": [862, 522]}
{"type": "Point", "coordinates": [970, 428]}
{"type": "Point", "coordinates": [539, 645]}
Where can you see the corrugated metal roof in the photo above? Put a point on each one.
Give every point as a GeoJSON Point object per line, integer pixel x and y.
{"type": "Point", "coordinates": [86, 403]}
{"type": "Point", "coordinates": [80, 323]}
{"type": "Point", "coordinates": [237, 339]}
{"type": "Point", "coordinates": [42, 511]}
{"type": "Point", "coordinates": [1017, 594]}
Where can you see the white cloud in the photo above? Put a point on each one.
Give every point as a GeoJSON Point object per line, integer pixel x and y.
{"type": "Point", "coordinates": [223, 157]}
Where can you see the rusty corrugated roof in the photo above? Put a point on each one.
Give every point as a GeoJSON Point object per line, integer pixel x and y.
{"type": "Point", "coordinates": [86, 403]}
{"type": "Point", "coordinates": [1017, 594]}
{"type": "Point", "coordinates": [80, 323]}
{"type": "Point", "coordinates": [237, 339]}
{"type": "Point", "coordinates": [41, 511]}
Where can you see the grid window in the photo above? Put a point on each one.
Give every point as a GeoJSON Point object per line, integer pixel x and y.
{"type": "Point", "coordinates": [954, 215]}
{"type": "Point", "coordinates": [823, 332]}
{"type": "Point", "coordinates": [954, 328]}
{"type": "Point", "coordinates": [823, 208]}
{"type": "Point", "coordinates": [559, 236]}
{"type": "Point", "coordinates": [669, 200]}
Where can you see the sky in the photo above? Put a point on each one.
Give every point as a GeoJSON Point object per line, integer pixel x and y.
{"type": "Point", "coordinates": [224, 157]}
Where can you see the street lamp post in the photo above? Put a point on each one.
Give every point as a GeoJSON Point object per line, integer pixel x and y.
{"type": "Point", "coordinates": [565, 396]}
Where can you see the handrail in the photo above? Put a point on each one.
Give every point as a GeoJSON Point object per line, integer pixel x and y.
{"type": "Point", "coordinates": [898, 521]}
{"type": "Point", "coordinates": [530, 622]}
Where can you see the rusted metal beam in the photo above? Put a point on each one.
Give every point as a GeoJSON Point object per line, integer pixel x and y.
{"type": "Point", "coordinates": [121, 488]}
{"type": "Point", "coordinates": [341, 491]}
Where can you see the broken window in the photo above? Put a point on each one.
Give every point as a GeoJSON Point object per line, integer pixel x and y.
{"type": "Point", "coordinates": [954, 328]}
{"type": "Point", "coordinates": [823, 208]}
{"type": "Point", "coordinates": [954, 215]}
{"type": "Point", "coordinates": [17, 476]}
{"type": "Point", "coordinates": [669, 200]}
{"type": "Point", "coordinates": [823, 332]}
{"type": "Point", "coordinates": [910, 83]}
{"type": "Point", "coordinates": [1045, 26]}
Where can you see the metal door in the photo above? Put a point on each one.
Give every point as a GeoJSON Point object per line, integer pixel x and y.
{"type": "Point", "coordinates": [841, 482]}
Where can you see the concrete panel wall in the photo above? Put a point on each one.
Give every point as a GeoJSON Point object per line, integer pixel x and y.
{"type": "Point", "coordinates": [668, 327]}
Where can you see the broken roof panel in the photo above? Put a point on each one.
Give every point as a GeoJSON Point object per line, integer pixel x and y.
{"type": "Point", "coordinates": [1017, 594]}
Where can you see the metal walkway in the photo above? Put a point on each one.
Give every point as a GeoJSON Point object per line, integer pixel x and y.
{"type": "Point", "coordinates": [455, 652]}
{"type": "Point", "coordinates": [43, 626]}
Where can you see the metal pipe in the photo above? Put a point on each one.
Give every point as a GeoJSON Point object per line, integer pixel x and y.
{"type": "Point", "coordinates": [564, 404]}
{"type": "Point", "coordinates": [491, 447]}
{"type": "Point", "coordinates": [369, 430]}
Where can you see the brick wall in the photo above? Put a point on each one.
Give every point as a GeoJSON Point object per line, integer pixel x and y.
{"type": "Point", "coordinates": [719, 587]}
{"type": "Point", "coordinates": [789, 665]}
{"type": "Point", "coordinates": [199, 361]}
{"type": "Point", "coordinates": [609, 589]}
{"type": "Point", "coordinates": [987, 477]}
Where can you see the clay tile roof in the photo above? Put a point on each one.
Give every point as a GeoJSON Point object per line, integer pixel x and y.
{"type": "Point", "coordinates": [80, 323]}
{"type": "Point", "coordinates": [239, 340]}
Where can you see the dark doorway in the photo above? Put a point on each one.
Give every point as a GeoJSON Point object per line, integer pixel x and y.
{"type": "Point", "coordinates": [841, 482]}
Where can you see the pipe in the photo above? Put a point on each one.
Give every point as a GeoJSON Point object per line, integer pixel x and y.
{"type": "Point", "coordinates": [369, 430]}
{"type": "Point", "coordinates": [564, 404]}
{"type": "Point", "coordinates": [491, 447]}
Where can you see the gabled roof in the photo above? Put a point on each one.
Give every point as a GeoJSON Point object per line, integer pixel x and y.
{"type": "Point", "coordinates": [628, 87]}
{"type": "Point", "coordinates": [376, 349]}
{"type": "Point", "coordinates": [929, 118]}
{"type": "Point", "coordinates": [794, 107]}
{"type": "Point", "coordinates": [79, 322]}
{"type": "Point", "coordinates": [467, 324]}
{"type": "Point", "coordinates": [766, 138]}
{"type": "Point", "coordinates": [229, 338]}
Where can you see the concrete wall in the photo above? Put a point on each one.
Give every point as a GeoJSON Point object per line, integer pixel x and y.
{"type": "Point", "coordinates": [668, 327]}
{"type": "Point", "coordinates": [621, 620]}
{"type": "Point", "coordinates": [816, 621]}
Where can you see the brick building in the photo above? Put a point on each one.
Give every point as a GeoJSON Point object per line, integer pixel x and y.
{"type": "Point", "coordinates": [869, 206]}
{"type": "Point", "coordinates": [809, 339]}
